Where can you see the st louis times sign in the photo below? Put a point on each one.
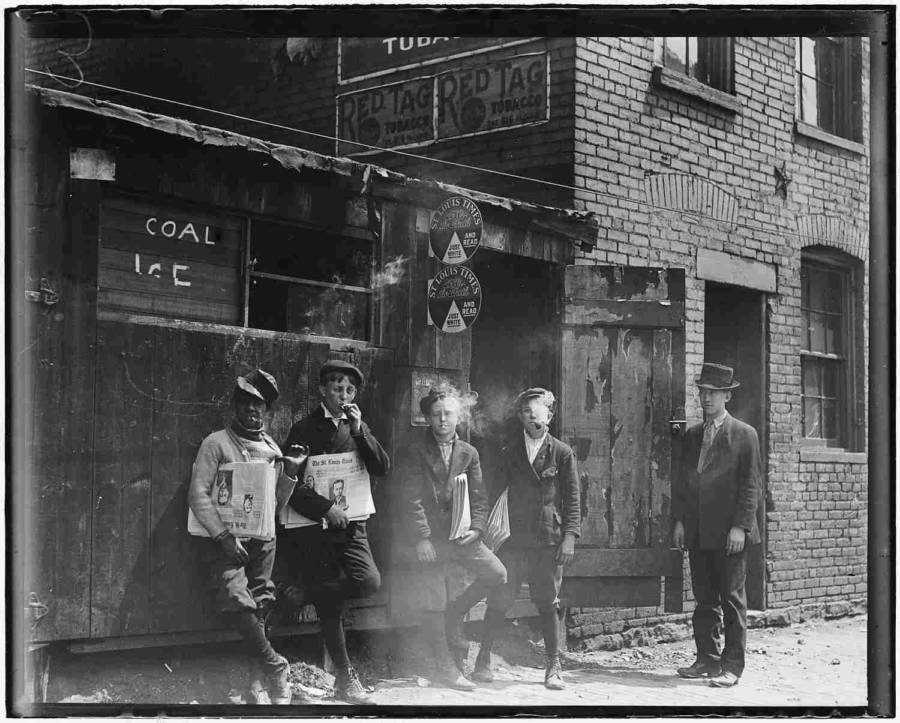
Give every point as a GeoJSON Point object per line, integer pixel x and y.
{"type": "Point", "coordinates": [476, 98]}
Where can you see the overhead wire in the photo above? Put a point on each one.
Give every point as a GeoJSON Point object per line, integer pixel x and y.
{"type": "Point", "coordinates": [418, 157]}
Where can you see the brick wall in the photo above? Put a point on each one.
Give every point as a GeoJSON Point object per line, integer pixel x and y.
{"type": "Point", "coordinates": [627, 131]}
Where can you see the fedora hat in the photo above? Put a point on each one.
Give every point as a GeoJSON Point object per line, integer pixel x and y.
{"type": "Point", "coordinates": [259, 384]}
{"type": "Point", "coordinates": [716, 376]}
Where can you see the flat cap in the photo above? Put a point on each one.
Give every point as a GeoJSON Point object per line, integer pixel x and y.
{"type": "Point", "coordinates": [545, 395]}
{"type": "Point", "coordinates": [259, 384]}
{"type": "Point", "coordinates": [341, 367]}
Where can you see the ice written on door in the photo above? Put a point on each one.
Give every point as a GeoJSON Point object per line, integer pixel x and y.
{"type": "Point", "coordinates": [454, 299]}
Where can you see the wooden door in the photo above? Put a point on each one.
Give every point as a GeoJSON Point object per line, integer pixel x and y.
{"type": "Point", "coordinates": [622, 380]}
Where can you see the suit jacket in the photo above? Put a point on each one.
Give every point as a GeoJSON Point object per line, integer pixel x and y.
{"type": "Point", "coordinates": [322, 437]}
{"type": "Point", "coordinates": [725, 493]}
{"type": "Point", "coordinates": [544, 497]}
{"type": "Point", "coordinates": [426, 484]}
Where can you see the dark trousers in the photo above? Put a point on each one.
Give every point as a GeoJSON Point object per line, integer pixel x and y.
{"type": "Point", "coordinates": [718, 581]}
{"type": "Point", "coordinates": [243, 587]}
{"type": "Point", "coordinates": [331, 566]}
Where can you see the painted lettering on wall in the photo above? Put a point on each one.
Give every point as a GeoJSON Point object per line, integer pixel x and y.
{"type": "Point", "coordinates": [183, 231]}
{"type": "Point", "coordinates": [503, 94]}
{"type": "Point", "coordinates": [156, 269]}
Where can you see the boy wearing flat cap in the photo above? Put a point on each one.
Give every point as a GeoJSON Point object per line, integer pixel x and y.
{"type": "Point", "coordinates": [242, 567]}
{"type": "Point", "coordinates": [334, 564]}
{"type": "Point", "coordinates": [428, 470]}
{"type": "Point", "coordinates": [544, 500]}
{"type": "Point", "coordinates": [714, 505]}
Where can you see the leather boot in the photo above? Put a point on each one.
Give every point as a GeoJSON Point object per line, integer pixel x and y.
{"type": "Point", "coordinates": [275, 666]}
{"type": "Point", "coordinates": [348, 687]}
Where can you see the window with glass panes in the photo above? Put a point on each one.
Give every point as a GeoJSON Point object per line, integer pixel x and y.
{"type": "Point", "coordinates": [826, 353]}
{"type": "Point", "coordinates": [829, 85]}
{"type": "Point", "coordinates": [707, 60]}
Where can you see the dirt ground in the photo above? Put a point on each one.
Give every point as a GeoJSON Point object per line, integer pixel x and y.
{"type": "Point", "coordinates": [817, 663]}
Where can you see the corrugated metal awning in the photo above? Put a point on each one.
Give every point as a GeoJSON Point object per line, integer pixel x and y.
{"type": "Point", "coordinates": [580, 226]}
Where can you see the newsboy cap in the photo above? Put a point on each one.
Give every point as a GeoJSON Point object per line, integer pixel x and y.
{"type": "Point", "coordinates": [716, 376]}
{"type": "Point", "coordinates": [259, 384]}
{"type": "Point", "coordinates": [544, 394]}
{"type": "Point", "coordinates": [435, 394]}
{"type": "Point", "coordinates": [341, 367]}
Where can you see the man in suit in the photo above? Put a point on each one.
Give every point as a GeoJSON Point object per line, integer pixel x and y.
{"type": "Point", "coordinates": [428, 470]}
{"type": "Point", "coordinates": [544, 502]}
{"type": "Point", "coordinates": [714, 507]}
{"type": "Point", "coordinates": [336, 563]}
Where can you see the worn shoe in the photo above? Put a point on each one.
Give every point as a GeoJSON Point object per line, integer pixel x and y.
{"type": "Point", "coordinates": [700, 669]}
{"type": "Point", "coordinates": [726, 679]}
{"type": "Point", "coordinates": [454, 679]}
{"type": "Point", "coordinates": [553, 675]}
{"type": "Point", "coordinates": [348, 688]}
{"type": "Point", "coordinates": [280, 684]}
{"type": "Point", "coordinates": [482, 674]}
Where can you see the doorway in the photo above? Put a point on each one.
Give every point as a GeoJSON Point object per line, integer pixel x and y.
{"type": "Point", "coordinates": [514, 342]}
{"type": "Point", "coordinates": [735, 334]}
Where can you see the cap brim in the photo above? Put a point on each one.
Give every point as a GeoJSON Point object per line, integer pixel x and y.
{"type": "Point", "coordinates": [733, 385]}
{"type": "Point", "coordinates": [246, 386]}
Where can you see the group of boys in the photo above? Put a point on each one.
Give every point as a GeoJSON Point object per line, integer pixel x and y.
{"type": "Point", "coordinates": [332, 562]}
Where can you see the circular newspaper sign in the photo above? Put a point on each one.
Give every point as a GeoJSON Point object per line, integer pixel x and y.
{"type": "Point", "coordinates": [454, 299]}
{"type": "Point", "coordinates": [456, 230]}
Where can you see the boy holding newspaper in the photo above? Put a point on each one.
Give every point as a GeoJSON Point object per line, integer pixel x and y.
{"type": "Point", "coordinates": [242, 553]}
{"type": "Point", "coordinates": [445, 510]}
{"type": "Point", "coordinates": [330, 558]}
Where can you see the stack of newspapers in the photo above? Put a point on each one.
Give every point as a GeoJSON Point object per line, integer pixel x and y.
{"type": "Point", "coordinates": [461, 515]}
{"type": "Point", "coordinates": [243, 493]}
{"type": "Point", "coordinates": [496, 530]}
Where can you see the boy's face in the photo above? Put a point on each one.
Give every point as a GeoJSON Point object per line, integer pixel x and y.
{"type": "Point", "coordinates": [249, 410]}
{"type": "Point", "coordinates": [535, 417]}
{"type": "Point", "coordinates": [336, 393]}
{"type": "Point", "coordinates": [713, 401]}
{"type": "Point", "coordinates": [444, 417]}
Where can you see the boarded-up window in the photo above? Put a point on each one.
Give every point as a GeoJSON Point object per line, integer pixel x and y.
{"type": "Point", "coordinates": [309, 281]}
{"type": "Point", "coordinates": [166, 260]}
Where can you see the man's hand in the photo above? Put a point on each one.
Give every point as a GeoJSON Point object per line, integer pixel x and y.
{"type": "Point", "coordinates": [425, 551]}
{"type": "Point", "coordinates": [232, 548]}
{"type": "Point", "coordinates": [337, 517]}
{"type": "Point", "coordinates": [566, 550]}
{"type": "Point", "coordinates": [678, 535]}
{"type": "Point", "coordinates": [735, 542]}
{"type": "Point", "coordinates": [291, 464]}
{"type": "Point", "coordinates": [468, 538]}
{"type": "Point", "coordinates": [354, 414]}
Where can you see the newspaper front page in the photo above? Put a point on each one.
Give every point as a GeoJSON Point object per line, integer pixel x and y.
{"type": "Point", "coordinates": [243, 494]}
{"type": "Point", "coordinates": [343, 479]}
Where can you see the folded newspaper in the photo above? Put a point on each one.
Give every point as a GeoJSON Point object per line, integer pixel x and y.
{"type": "Point", "coordinates": [343, 479]}
{"type": "Point", "coordinates": [496, 530]}
{"type": "Point", "coordinates": [461, 519]}
{"type": "Point", "coordinates": [243, 493]}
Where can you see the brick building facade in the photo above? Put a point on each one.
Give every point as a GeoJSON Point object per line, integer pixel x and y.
{"type": "Point", "coordinates": [761, 200]}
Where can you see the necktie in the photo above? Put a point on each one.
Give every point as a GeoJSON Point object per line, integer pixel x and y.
{"type": "Point", "coordinates": [709, 432]}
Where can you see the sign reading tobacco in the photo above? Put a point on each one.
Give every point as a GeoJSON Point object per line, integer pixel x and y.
{"type": "Point", "coordinates": [503, 94]}
{"type": "Point", "coordinates": [493, 96]}
{"type": "Point", "coordinates": [388, 116]}
{"type": "Point", "coordinates": [456, 230]}
{"type": "Point", "coordinates": [454, 299]}
{"type": "Point", "coordinates": [366, 57]}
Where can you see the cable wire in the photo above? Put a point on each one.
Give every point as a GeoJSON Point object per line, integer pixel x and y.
{"type": "Point", "coordinates": [457, 164]}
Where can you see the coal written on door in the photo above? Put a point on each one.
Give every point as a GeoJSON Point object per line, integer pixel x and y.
{"type": "Point", "coordinates": [456, 230]}
{"type": "Point", "coordinates": [454, 299]}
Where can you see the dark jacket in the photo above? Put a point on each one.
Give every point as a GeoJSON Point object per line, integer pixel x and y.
{"type": "Point", "coordinates": [726, 493]}
{"type": "Point", "coordinates": [426, 484]}
{"type": "Point", "coordinates": [544, 498]}
{"type": "Point", "coordinates": [320, 435]}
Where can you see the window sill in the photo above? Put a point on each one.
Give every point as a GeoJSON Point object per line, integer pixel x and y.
{"type": "Point", "coordinates": [810, 131]}
{"type": "Point", "coordinates": [665, 78]}
{"type": "Point", "coordinates": [831, 454]}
